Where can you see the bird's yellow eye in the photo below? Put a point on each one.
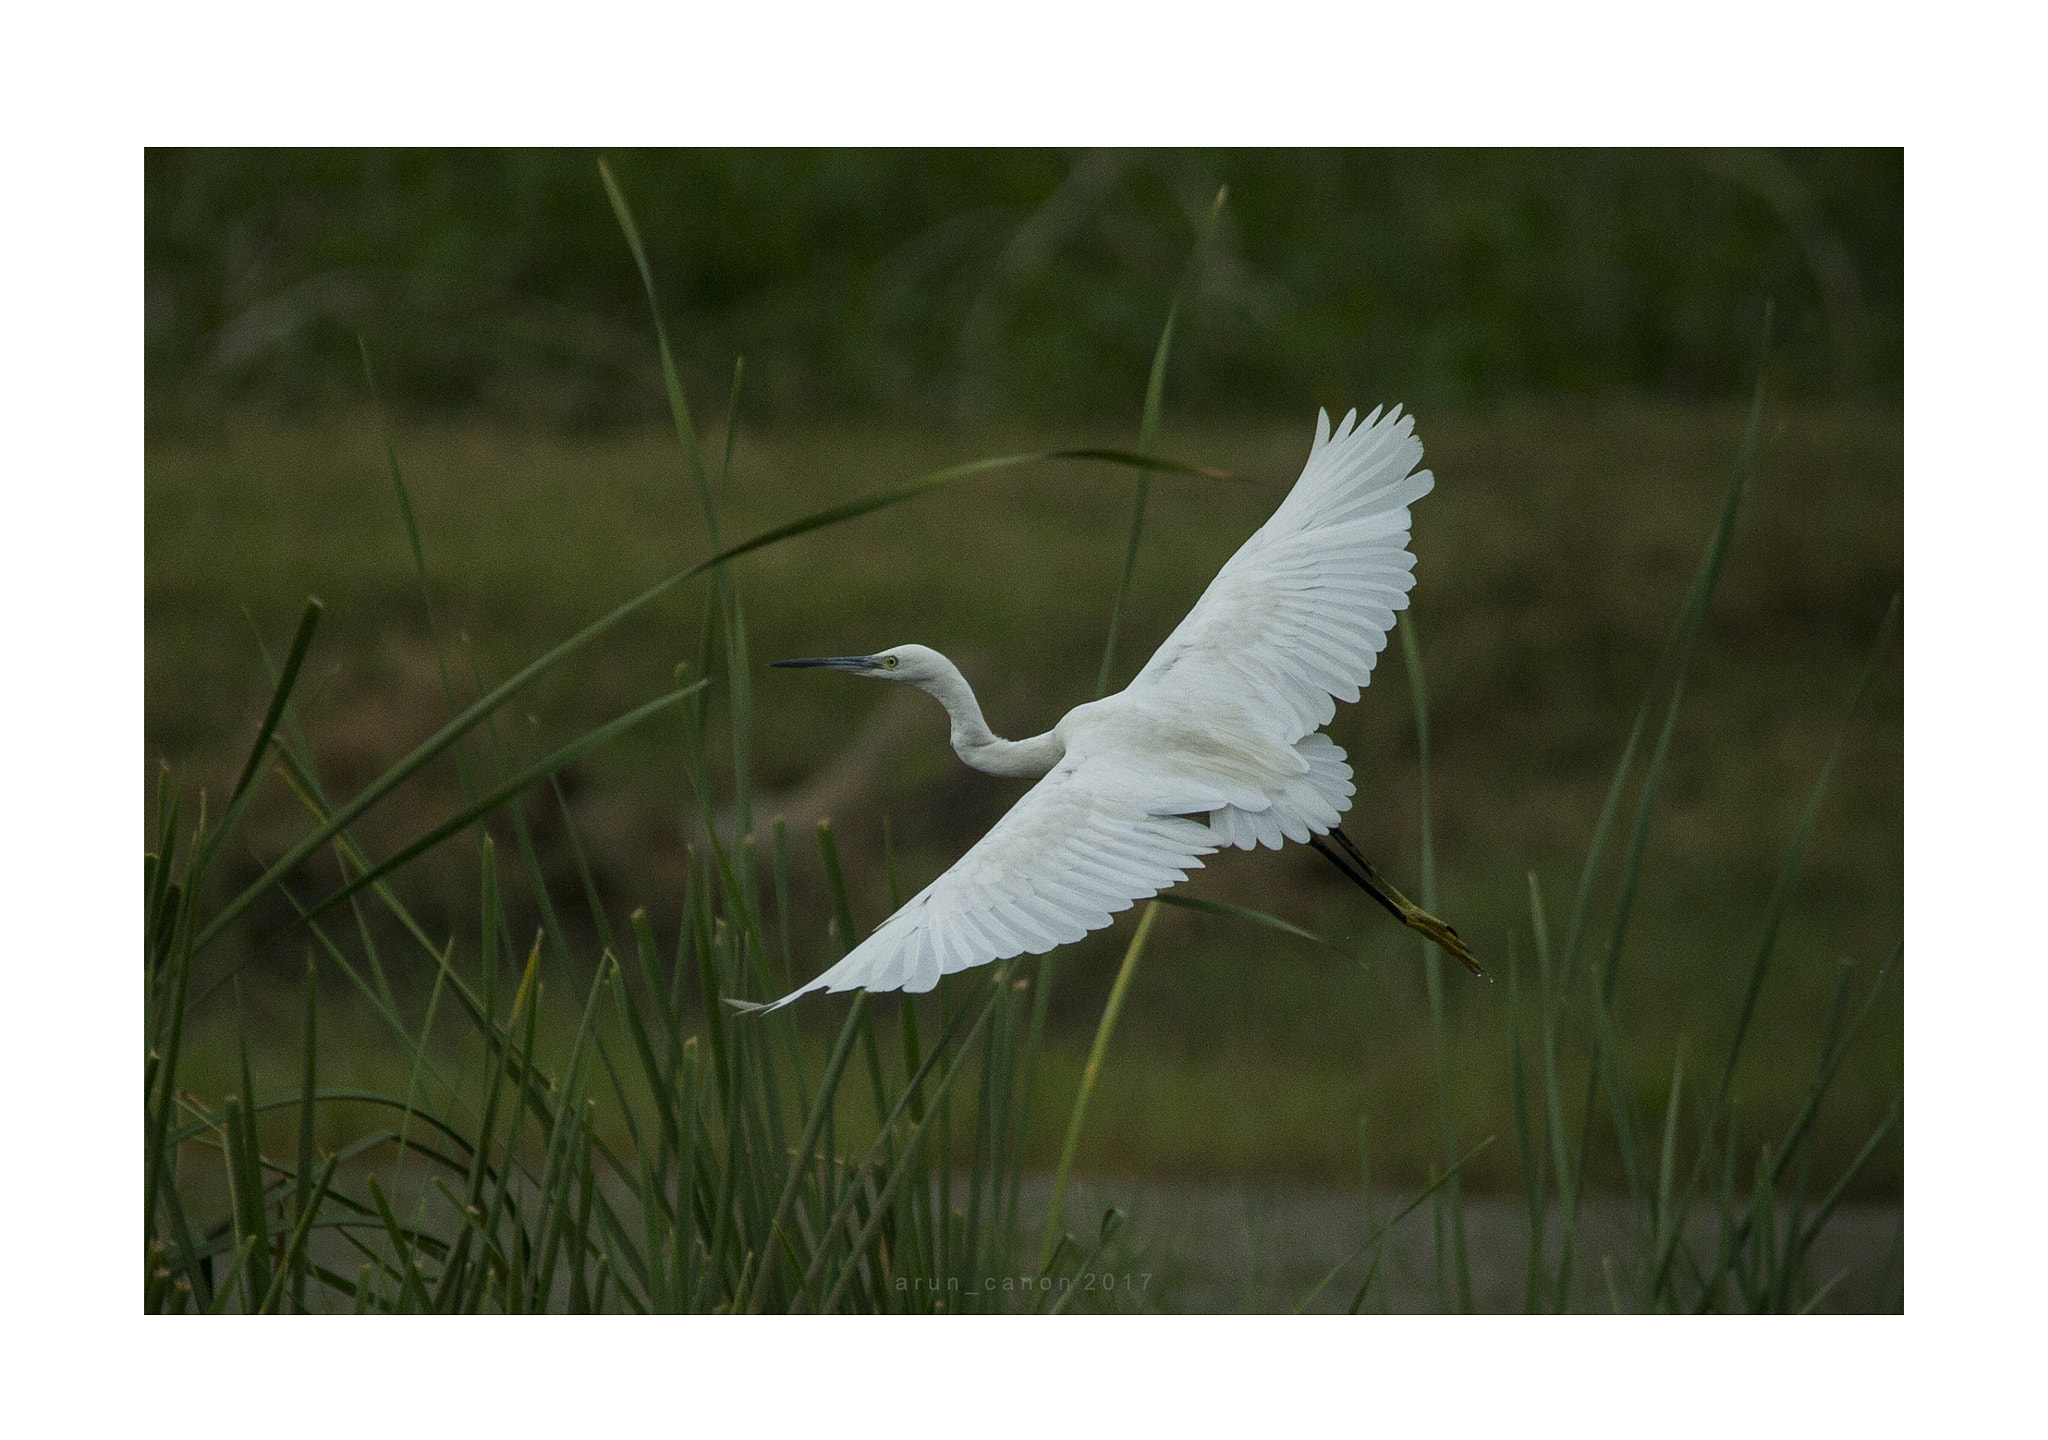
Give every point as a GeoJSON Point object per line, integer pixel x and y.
{"type": "Point", "coordinates": [889, 662]}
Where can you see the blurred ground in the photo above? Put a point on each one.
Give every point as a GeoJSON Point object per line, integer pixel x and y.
{"type": "Point", "coordinates": [1260, 1248]}
{"type": "Point", "coordinates": [1553, 556]}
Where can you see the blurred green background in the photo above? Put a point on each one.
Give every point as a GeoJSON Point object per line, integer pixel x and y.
{"type": "Point", "coordinates": [1577, 334]}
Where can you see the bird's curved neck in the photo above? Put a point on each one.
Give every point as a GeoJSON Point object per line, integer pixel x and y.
{"type": "Point", "coordinates": [980, 746]}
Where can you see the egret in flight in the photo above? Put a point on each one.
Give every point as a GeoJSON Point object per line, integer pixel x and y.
{"type": "Point", "coordinates": [1223, 723]}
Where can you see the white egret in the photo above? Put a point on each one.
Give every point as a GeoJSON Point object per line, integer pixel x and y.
{"type": "Point", "coordinates": [1224, 722]}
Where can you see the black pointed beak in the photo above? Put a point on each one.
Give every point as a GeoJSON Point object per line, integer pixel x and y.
{"type": "Point", "coordinates": [855, 663]}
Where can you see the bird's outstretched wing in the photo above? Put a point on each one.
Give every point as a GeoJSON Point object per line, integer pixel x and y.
{"type": "Point", "coordinates": [1079, 847]}
{"type": "Point", "coordinates": [1295, 619]}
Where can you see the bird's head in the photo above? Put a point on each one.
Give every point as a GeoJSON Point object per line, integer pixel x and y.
{"type": "Point", "coordinates": [909, 664]}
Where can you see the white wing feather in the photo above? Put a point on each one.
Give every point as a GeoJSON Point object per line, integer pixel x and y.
{"type": "Point", "coordinates": [1077, 849]}
{"type": "Point", "coordinates": [1292, 623]}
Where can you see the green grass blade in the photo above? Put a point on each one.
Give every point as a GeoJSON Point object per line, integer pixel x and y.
{"type": "Point", "coordinates": [415, 1290]}
{"type": "Point", "coordinates": [877, 1149]}
{"type": "Point", "coordinates": [1253, 917]}
{"type": "Point", "coordinates": [248, 1158]}
{"type": "Point", "coordinates": [1112, 1222]}
{"type": "Point", "coordinates": [419, 555]}
{"type": "Point", "coordinates": [1553, 1092]}
{"type": "Point", "coordinates": [849, 936]}
{"type": "Point", "coordinates": [1090, 1073]}
{"type": "Point", "coordinates": [1148, 434]}
{"type": "Point", "coordinates": [732, 421]}
{"type": "Point", "coordinates": [1834, 1053]}
{"type": "Point", "coordinates": [679, 409]}
{"type": "Point", "coordinates": [1664, 1219]}
{"type": "Point", "coordinates": [1432, 962]}
{"type": "Point", "coordinates": [161, 1158]}
{"type": "Point", "coordinates": [1596, 854]}
{"type": "Point", "coordinates": [1607, 1060]}
{"type": "Point", "coordinates": [814, 1125]}
{"type": "Point", "coordinates": [912, 1145]}
{"type": "Point", "coordinates": [658, 1082]}
{"type": "Point", "coordinates": [987, 1139]}
{"type": "Point", "coordinates": [778, 833]}
{"type": "Point", "coordinates": [593, 904]}
{"type": "Point", "coordinates": [226, 1291]}
{"type": "Point", "coordinates": [1834, 1197]}
{"type": "Point", "coordinates": [1788, 872]}
{"type": "Point", "coordinates": [280, 695]}
{"type": "Point", "coordinates": [419, 1056]}
{"type": "Point", "coordinates": [937, 480]}
{"type": "Point", "coordinates": [1379, 1236]}
{"type": "Point", "coordinates": [1527, 1153]}
{"type": "Point", "coordinates": [294, 1268]}
{"type": "Point", "coordinates": [302, 1199]}
{"type": "Point", "coordinates": [1027, 1071]}
{"type": "Point", "coordinates": [159, 890]}
{"type": "Point", "coordinates": [1880, 1290]}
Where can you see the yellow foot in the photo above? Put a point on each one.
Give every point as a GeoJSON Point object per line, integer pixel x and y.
{"type": "Point", "coordinates": [1431, 928]}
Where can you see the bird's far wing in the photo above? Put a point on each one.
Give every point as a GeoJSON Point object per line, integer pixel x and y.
{"type": "Point", "coordinates": [1078, 848]}
{"type": "Point", "coordinates": [1295, 619]}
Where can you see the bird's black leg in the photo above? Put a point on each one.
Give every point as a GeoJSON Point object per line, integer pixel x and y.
{"type": "Point", "coordinates": [1345, 868]}
{"type": "Point", "coordinates": [1360, 872]}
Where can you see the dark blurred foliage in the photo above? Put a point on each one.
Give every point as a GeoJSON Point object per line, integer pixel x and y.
{"type": "Point", "coordinates": [954, 285]}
